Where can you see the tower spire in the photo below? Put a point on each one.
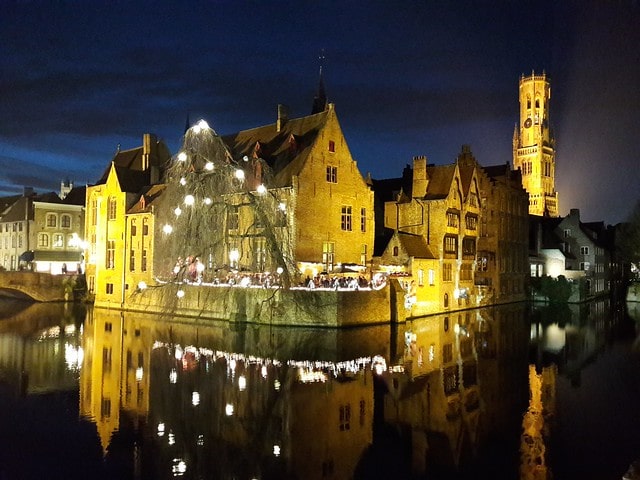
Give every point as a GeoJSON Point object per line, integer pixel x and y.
{"type": "Point", "coordinates": [320, 99]}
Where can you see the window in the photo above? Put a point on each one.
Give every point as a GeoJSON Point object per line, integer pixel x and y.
{"type": "Point", "coordinates": [145, 227]}
{"type": "Point", "coordinates": [466, 272]}
{"type": "Point", "coordinates": [65, 221]}
{"type": "Point", "coordinates": [432, 277]}
{"type": "Point", "coordinates": [363, 254]}
{"type": "Point", "coordinates": [421, 277]}
{"type": "Point", "coordinates": [362, 412]}
{"type": "Point", "coordinates": [105, 407]}
{"type": "Point", "coordinates": [584, 250]}
{"type": "Point", "coordinates": [567, 232]}
{"type": "Point", "coordinates": [345, 221]}
{"type": "Point", "coordinates": [447, 353]}
{"type": "Point", "coordinates": [453, 219]}
{"type": "Point", "coordinates": [259, 253]}
{"type": "Point", "coordinates": [20, 241]}
{"type": "Point", "coordinates": [328, 250]}
{"type": "Point", "coordinates": [94, 212]}
{"type": "Point", "coordinates": [584, 266]}
{"type": "Point", "coordinates": [447, 272]}
{"type": "Point", "coordinates": [109, 289]}
{"type": "Point", "coordinates": [395, 251]}
{"type": "Point", "coordinates": [469, 246]}
{"type": "Point", "coordinates": [471, 221]}
{"type": "Point", "coordinates": [332, 146]}
{"type": "Point", "coordinates": [363, 219]}
{"type": "Point", "coordinates": [345, 417]}
{"type": "Point", "coordinates": [332, 174]}
{"type": "Point", "coordinates": [134, 230]}
{"type": "Point", "coordinates": [233, 220]}
{"type": "Point", "coordinates": [52, 220]}
{"type": "Point", "coordinates": [132, 260]}
{"type": "Point", "coordinates": [111, 254]}
{"type": "Point", "coordinates": [143, 263]}
{"type": "Point", "coordinates": [450, 244]}
{"type": "Point", "coordinates": [111, 208]}
{"type": "Point", "coordinates": [58, 240]}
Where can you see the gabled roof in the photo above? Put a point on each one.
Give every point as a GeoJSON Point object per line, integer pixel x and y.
{"type": "Point", "coordinates": [284, 151]}
{"type": "Point", "coordinates": [6, 202]}
{"type": "Point", "coordinates": [440, 178]}
{"type": "Point", "coordinates": [148, 196]}
{"type": "Point", "coordinates": [132, 181]}
{"type": "Point", "coordinates": [415, 245]}
{"type": "Point", "coordinates": [21, 209]}
{"type": "Point", "coordinates": [76, 196]}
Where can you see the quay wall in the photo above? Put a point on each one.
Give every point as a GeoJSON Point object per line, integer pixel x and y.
{"type": "Point", "coordinates": [271, 306]}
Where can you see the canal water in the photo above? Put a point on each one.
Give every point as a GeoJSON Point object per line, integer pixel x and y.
{"type": "Point", "coordinates": [510, 392]}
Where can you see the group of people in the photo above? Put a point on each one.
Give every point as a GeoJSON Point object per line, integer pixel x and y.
{"type": "Point", "coordinates": [336, 282]}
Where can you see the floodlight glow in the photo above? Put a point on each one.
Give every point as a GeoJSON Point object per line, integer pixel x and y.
{"type": "Point", "coordinates": [228, 409]}
{"type": "Point", "coordinates": [203, 124]}
{"type": "Point", "coordinates": [195, 399]}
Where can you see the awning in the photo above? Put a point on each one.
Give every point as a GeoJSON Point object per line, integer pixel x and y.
{"type": "Point", "coordinates": [71, 257]}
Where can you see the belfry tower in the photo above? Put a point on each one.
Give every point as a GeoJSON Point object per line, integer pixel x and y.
{"type": "Point", "coordinates": [534, 145]}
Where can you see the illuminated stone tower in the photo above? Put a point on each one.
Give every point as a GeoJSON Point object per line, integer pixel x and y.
{"type": "Point", "coordinates": [534, 145]}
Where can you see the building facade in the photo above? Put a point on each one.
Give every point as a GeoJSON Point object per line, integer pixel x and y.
{"type": "Point", "coordinates": [534, 145]}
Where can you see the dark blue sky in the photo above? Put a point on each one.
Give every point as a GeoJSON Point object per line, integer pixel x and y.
{"type": "Point", "coordinates": [77, 78]}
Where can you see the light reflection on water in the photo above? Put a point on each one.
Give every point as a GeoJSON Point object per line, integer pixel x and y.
{"type": "Point", "coordinates": [512, 392]}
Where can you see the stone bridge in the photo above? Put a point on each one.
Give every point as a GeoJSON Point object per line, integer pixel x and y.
{"type": "Point", "coordinates": [41, 287]}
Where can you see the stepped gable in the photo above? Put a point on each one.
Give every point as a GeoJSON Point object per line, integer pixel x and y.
{"type": "Point", "coordinates": [284, 146]}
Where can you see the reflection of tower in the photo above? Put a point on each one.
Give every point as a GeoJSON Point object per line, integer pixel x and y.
{"type": "Point", "coordinates": [534, 145]}
{"type": "Point", "coordinates": [535, 424]}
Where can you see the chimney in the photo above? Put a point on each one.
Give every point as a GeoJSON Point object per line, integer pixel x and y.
{"type": "Point", "coordinates": [149, 142]}
{"type": "Point", "coordinates": [283, 116]}
{"type": "Point", "coordinates": [420, 178]}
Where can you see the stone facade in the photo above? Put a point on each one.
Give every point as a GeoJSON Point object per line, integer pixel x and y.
{"type": "Point", "coordinates": [534, 145]}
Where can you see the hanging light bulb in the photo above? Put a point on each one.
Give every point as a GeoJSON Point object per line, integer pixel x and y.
{"type": "Point", "coordinates": [282, 206]}
{"type": "Point", "coordinates": [167, 229]}
{"type": "Point", "coordinates": [240, 174]}
{"type": "Point", "coordinates": [183, 181]}
{"type": "Point", "coordinates": [189, 200]}
{"type": "Point", "coordinates": [182, 156]}
{"type": "Point", "coordinates": [245, 158]}
{"type": "Point", "coordinates": [203, 125]}
{"type": "Point", "coordinates": [177, 211]}
{"type": "Point", "coordinates": [208, 166]}
{"type": "Point", "coordinates": [262, 189]}
{"type": "Point", "coordinates": [207, 201]}
{"type": "Point", "coordinates": [180, 293]}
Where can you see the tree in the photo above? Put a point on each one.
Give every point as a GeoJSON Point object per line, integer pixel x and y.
{"type": "Point", "coordinates": [219, 215]}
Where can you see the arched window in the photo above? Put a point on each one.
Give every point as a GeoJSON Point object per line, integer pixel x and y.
{"type": "Point", "coordinates": [446, 302]}
{"type": "Point", "coordinates": [43, 240]}
{"type": "Point", "coordinates": [52, 220]}
{"type": "Point", "coordinates": [446, 320]}
{"type": "Point", "coordinates": [395, 251]}
{"type": "Point", "coordinates": [65, 221]}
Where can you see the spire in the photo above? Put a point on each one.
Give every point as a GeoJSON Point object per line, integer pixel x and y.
{"type": "Point", "coordinates": [320, 99]}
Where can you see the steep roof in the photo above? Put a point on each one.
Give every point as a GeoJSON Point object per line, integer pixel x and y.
{"type": "Point", "coordinates": [415, 245]}
{"type": "Point", "coordinates": [148, 196]}
{"type": "Point", "coordinates": [132, 181]}
{"type": "Point", "coordinates": [285, 151]}
{"type": "Point", "coordinates": [440, 178]}
{"type": "Point", "coordinates": [133, 159]}
{"type": "Point", "coordinates": [21, 208]}
{"type": "Point", "coordinates": [76, 196]}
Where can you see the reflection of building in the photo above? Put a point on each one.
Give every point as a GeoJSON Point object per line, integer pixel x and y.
{"type": "Point", "coordinates": [436, 395]}
{"type": "Point", "coordinates": [534, 145]}
{"type": "Point", "coordinates": [41, 231]}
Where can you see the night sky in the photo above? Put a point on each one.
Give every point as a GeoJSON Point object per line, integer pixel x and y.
{"type": "Point", "coordinates": [79, 78]}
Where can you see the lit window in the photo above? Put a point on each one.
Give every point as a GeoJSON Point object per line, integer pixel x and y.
{"type": "Point", "coordinates": [332, 174]}
{"type": "Point", "coordinates": [363, 219]}
{"type": "Point", "coordinates": [112, 209]}
{"type": "Point", "coordinates": [58, 240]}
{"type": "Point", "coordinates": [345, 223]}
{"type": "Point", "coordinates": [52, 220]}
{"type": "Point", "coordinates": [65, 221]}
{"type": "Point", "coordinates": [111, 254]}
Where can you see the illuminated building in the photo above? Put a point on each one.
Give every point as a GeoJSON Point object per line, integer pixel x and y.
{"type": "Point", "coordinates": [534, 145]}
{"type": "Point", "coordinates": [42, 232]}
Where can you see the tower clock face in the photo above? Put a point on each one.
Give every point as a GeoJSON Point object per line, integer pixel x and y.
{"type": "Point", "coordinates": [527, 123]}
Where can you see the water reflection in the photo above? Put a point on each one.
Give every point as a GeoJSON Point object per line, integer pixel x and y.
{"type": "Point", "coordinates": [445, 396]}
